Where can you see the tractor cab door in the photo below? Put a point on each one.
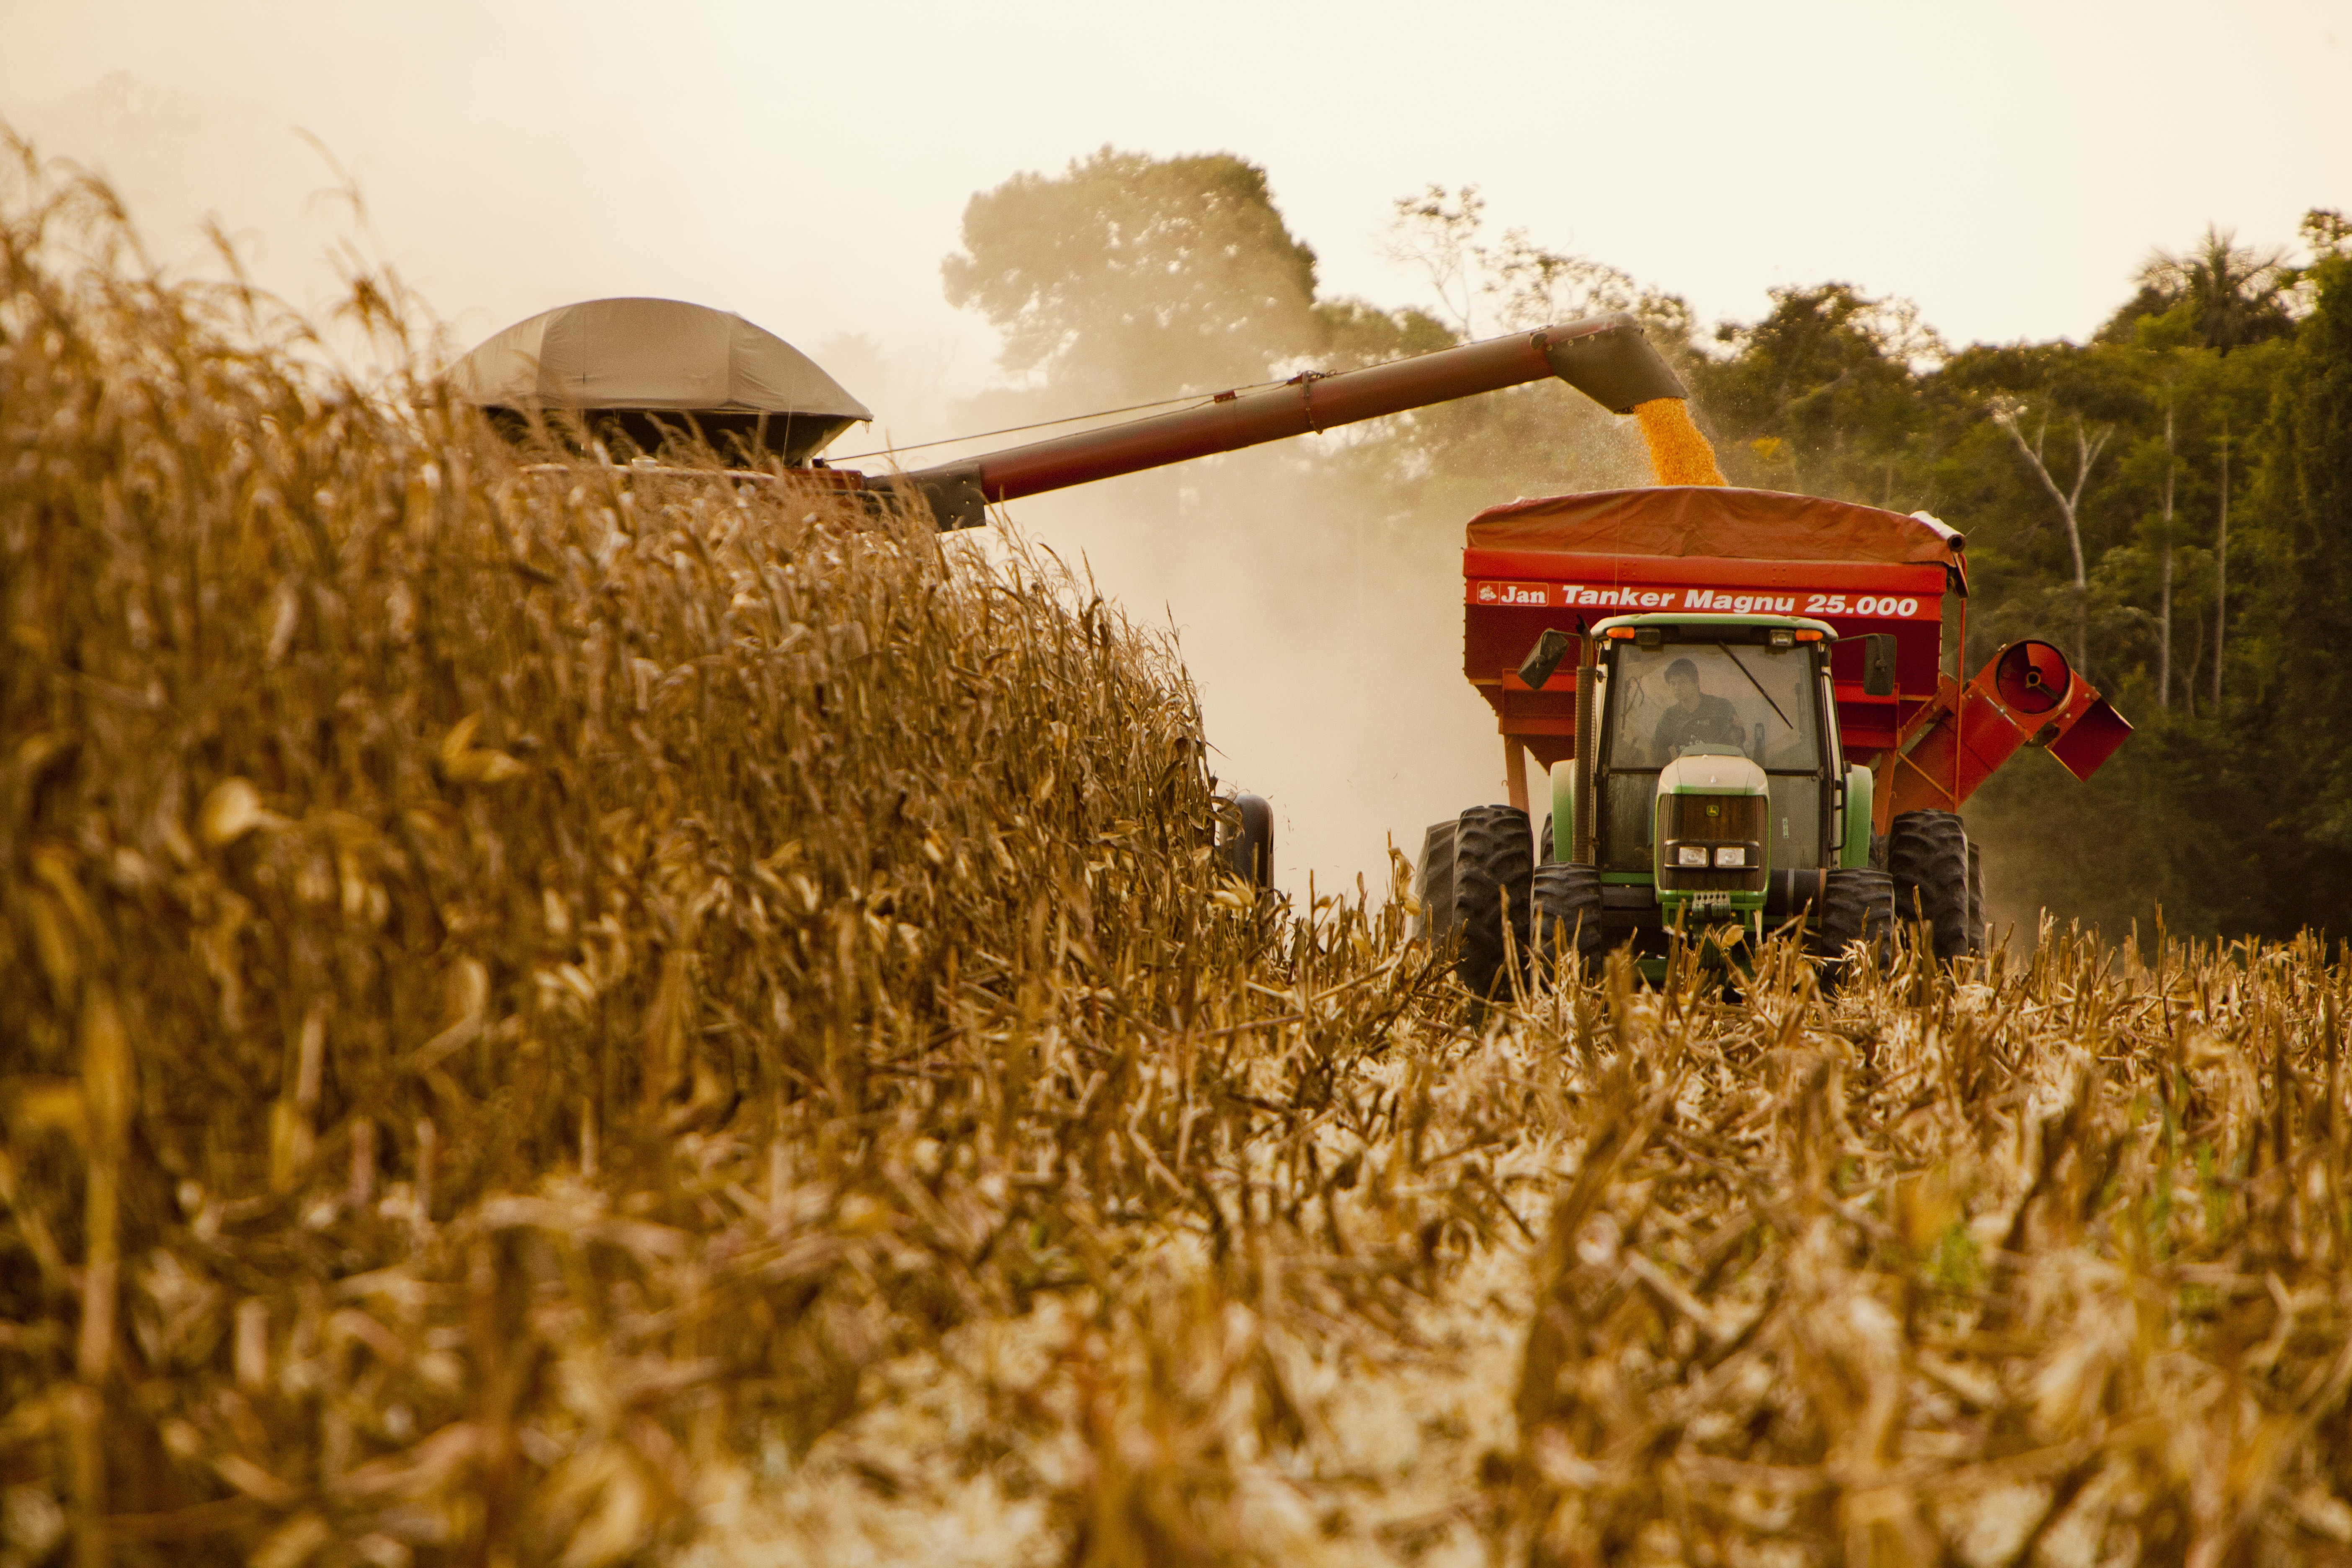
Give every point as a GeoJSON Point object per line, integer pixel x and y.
{"type": "Point", "coordinates": [1765, 702]}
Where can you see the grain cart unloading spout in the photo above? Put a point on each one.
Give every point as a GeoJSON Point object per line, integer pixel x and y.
{"type": "Point", "coordinates": [1606, 358]}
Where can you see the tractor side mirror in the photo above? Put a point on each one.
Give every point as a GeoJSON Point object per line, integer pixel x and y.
{"type": "Point", "coordinates": [1545, 657]}
{"type": "Point", "coordinates": [1878, 664]}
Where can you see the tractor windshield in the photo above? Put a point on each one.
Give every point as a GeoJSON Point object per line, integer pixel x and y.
{"type": "Point", "coordinates": [1757, 699]}
{"type": "Point", "coordinates": [1762, 702]}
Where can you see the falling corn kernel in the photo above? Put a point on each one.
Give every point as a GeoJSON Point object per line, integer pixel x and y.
{"type": "Point", "coordinates": [1679, 454]}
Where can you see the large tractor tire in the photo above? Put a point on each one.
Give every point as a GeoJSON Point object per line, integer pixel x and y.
{"type": "Point", "coordinates": [1494, 866]}
{"type": "Point", "coordinates": [1433, 882]}
{"type": "Point", "coordinates": [1928, 853]}
{"type": "Point", "coordinates": [1854, 905]}
{"type": "Point", "coordinates": [1976, 901]}
{"type": "Point", "coordinates": [1566, 918]}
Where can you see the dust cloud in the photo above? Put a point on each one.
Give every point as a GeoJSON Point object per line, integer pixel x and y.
{"type": "Point", "coordinates": [1314, 590]}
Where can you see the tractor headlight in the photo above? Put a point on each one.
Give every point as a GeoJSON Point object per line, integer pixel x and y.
{"type": "Point", "coordinates": [1691, 855]}
{"type": "Point", "coordinates": [1732, 855]}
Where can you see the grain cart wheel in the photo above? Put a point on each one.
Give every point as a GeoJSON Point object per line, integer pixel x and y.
{"type": "Point", "coordinates": [1493, 862]}
{"type": "Point", "coordinates": [1976, 901]}
{"type": "Point", "coordinates": [1927, 852]}
{"type": "Point", "coordinates": [1433, 883]}
{"type": "Point", "coordinates": [1854, 905]}
{"type": "Point", "coordinates": [1566, 918]}
{"type": "Point", "coordinates": [1543, 843]}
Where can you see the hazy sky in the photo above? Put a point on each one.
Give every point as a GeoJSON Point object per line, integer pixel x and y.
{"type": "Point", "coordinates": [2005, 165]}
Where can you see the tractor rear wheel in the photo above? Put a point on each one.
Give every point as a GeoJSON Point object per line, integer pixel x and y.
{"type": "Point", "coordinates": [1927, 852]}
{"type": "Point", "coordinates": [1976, 901]}
{"type": "Point", "coordinates": [1854, 905]}
{"type": "Point", "coordinates": [1567, 903]}
{"type": "Point", "coordinates": [1433, 882]}
{"type": "Point", "coordinates": [1493, 865]}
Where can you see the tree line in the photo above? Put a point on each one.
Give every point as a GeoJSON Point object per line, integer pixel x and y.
{"type": "Point", "coordinates": [2170, 500]}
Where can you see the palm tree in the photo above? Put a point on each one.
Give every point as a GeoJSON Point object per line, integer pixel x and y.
{"type": "Point", "coordinates": [2236, 288]}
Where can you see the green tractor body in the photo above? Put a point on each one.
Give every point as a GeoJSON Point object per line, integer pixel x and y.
{"type": "Point", "coordinates": [1718, 795]}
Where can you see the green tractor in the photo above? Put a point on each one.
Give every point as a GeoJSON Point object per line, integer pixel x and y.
{"type": "Point", "coordinates": [1716, 804]}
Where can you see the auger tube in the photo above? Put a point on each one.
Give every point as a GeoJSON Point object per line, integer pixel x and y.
{"type": "Point", "coordinates": [1607, 358]}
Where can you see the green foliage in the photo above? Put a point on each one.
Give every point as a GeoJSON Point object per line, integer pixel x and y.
{"type": "Point", "coordinates": [1133, 277]}
{"type": "Point", "coordinates": [1821, 386]}
{"type": "Point", "coordinates": [2229, 295]}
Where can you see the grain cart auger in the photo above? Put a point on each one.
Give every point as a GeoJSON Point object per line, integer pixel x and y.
{"type": "Point", "coordinates": [1779, 728]}
{"type": "Point", "coordinates": [636, 375]}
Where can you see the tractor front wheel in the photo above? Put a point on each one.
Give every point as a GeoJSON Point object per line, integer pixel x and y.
{"type": "Point", "coordinates": [1567, 902]}
{"type": "Point", "coordinates": [1854, 905]}
{"type": "Point", "coordinates": [1927, 852]}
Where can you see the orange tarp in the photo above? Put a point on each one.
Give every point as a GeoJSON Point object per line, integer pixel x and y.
{"type": "Point", "coordinates": [1712, 519]}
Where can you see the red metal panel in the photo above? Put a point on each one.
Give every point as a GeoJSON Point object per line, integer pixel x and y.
{"type": "Point", "coordinates": [1988, 737]}
{"type": "Point", "coordinates": [1865, 724]}
{"type": "Point", "coordinates": [1718, 595]}
{"type": "Point", "coordinates": [1511, 597]}
{"type": "Point", "coordinates": [2091, 738]}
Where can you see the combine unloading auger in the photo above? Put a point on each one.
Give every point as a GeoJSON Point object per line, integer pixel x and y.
{"type": "Point", "coordinates": [635, 368]}
{"type": "Point", "coordinates": [1607, 358]}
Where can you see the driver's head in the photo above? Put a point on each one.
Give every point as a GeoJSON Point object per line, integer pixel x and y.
{"type": "Point", "coordinates": [1682, 682]}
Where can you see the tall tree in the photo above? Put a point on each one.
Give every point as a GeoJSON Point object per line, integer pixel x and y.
{"type": "Point", "coordinates": [2234, 292]}
{"type": "Point", "coordinates": [2298, 624]}
{"type": "Point", "coordinates": [1822, 393]}
{"type": "Point", "coordinates": [2007, 414]}
{"type": "Point", "coordinates": [1511, 283]}
{"type": "Point", "coordinates": [1129, 277]}
{"type": "Point", "coordinates": [2164, 611]}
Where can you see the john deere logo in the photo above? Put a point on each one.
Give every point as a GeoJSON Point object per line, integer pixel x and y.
{"type": "Point", "coordinates": [1713, 809]}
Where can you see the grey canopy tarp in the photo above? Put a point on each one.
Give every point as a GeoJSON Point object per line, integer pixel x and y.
{"type": "Point", "coordinates": [651, 366]}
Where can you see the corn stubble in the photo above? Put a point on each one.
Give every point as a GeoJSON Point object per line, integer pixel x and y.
{"type": "Point", "coordinates": [563, 1016]}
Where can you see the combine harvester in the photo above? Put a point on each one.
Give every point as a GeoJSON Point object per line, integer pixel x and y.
{"type": "Point", "coordinates": [1773, 681]}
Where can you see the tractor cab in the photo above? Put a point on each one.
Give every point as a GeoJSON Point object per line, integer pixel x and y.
{"type": "Point", "coordinates": [1718, 765]}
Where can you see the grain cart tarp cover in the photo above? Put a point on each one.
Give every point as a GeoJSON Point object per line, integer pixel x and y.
{"type": "Point", "coordinates": [633, 362]}
{"type": "Point", "coordinates": [1717, 520]}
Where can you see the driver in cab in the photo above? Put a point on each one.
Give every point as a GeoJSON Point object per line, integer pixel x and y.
{"type": "Point", "coordinates": [1693, 717]}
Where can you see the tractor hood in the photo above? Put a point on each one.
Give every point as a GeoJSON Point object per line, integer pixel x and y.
{"type": "Point", "coordinates": [1711, 770]}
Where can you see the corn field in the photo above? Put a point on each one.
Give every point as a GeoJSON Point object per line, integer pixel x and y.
{"type": "Point", "coordinates": [556, 1014]}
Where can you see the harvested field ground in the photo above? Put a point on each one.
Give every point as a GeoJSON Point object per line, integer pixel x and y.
{"type": "Point", "coordinates": [567, 1016]}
